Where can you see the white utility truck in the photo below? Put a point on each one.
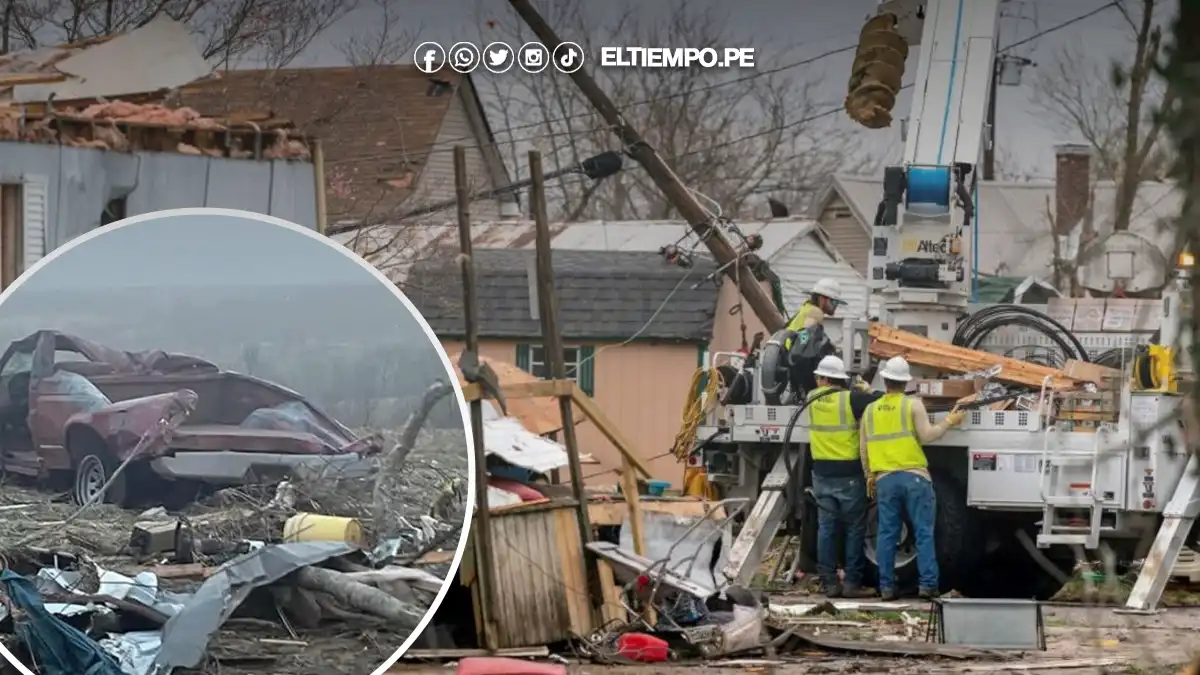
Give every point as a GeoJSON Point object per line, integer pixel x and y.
{"type": "Point", "coordinates": [1018, 489]}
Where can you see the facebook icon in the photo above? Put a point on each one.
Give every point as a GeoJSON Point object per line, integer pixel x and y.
{"type": "Point", "coordinates": [429, 57]}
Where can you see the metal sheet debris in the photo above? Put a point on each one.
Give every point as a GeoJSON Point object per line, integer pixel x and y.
{"type": "Point", "coordinates": [186, 634]}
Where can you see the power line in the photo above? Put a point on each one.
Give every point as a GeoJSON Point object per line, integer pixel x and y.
{"type": "Point", "coordinates": [657, 99]}
{"type": "Point", "coordinates": [826, 113]}
{"type": "Point", "coordinates": [833, 111]}
{"type": "Point", "coordinates": [1057, 27]}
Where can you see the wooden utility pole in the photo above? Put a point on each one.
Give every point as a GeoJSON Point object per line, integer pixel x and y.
{"type": "Point", "coordinates": [552, 345]}
{"type": "Point", "coordinates": [321, 195]}
{"type": "Point", "coordinates": [482, 536]}
{"type": "Point", "coordinates": [675, 191]}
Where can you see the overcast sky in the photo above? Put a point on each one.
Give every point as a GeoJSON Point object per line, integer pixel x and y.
{"type": "Point", "coordinates": [199, 251]}
{"type": "Point", "coordinates": [788, 30]}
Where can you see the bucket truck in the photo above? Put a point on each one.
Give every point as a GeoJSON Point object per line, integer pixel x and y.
{"type": "Point", "coordinates": [1017, 484]}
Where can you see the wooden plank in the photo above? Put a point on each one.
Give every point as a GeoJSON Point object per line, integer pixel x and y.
{"type": "Point", "coordinates": [474, 392]}
{"type": "Point", "coordinates": [456, 654]}
{"type": "Point", "coordinates": [16, 79]}
{"type": "Point", "coordinates": [887, 342]}
{"type": "Point", "coordinates": [574, 574]}
{"type": "Point", "coordinates": [611, 513]}
{"type": "Point", "coordinates": [629, 489]}
{"type": "Point", "coordinates": [608, 429]}
{"type": "Point", "coordinates": [611, 610]}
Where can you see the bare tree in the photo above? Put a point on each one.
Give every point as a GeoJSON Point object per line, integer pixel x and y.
{"type": "Point", "coordinates": [272, 32]}
{"type": "Point", "coordinates": [732, 136]}
{"type": "Point", "coordinates": [1112, 106]}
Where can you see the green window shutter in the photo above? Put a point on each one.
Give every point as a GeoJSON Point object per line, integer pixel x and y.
{"type": "Point", "coordinates": [523, 357]}
{"type": "Point", "coordinates": [701, 352]}
{"type": "Point", "coordinates": [587, 370]}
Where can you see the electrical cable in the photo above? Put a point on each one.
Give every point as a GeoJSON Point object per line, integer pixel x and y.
{"type": "Point", "coordinates": [654, 99]}
{"type": "Point", "coordinates": [978, 326]}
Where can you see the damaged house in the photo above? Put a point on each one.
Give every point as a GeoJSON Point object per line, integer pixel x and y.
{"type": "Point", "coordinates": [83, 145]}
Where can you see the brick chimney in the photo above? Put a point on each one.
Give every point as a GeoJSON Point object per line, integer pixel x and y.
{"type": "Point", "coordinates": [1072, 185]}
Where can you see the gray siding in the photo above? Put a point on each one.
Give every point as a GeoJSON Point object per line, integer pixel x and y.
{"type": "Point", "coordinates": [81, 181]}
{"type": "Point", "coordinates": [846, 234]}
{"type": "Point", "coordinates": [437, 179]}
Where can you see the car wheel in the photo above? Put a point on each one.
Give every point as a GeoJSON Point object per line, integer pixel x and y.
{"type": "Point", "coordinates": [92, 471]}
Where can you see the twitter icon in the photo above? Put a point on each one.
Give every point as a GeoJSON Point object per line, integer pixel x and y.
{"type": "Point", "coordinates": [499, 57]}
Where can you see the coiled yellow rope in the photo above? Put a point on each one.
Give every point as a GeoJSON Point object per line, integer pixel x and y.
{"type": "Point", "coordinates": [701, 400]}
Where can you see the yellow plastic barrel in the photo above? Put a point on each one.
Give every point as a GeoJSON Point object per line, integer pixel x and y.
{"type": "Point", "coordinates": [316, 527]}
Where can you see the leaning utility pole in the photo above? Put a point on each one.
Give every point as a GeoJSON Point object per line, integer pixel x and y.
{"type": "Point", "coordinates": [675, 191]}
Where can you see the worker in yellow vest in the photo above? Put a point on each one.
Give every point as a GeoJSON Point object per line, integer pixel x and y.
{"type": "Point", "coordinates": [838, 482]}
{"type": "Point", "coordinates": [825, 298]}
{"type": "Point", "coordinates": [894, 429]}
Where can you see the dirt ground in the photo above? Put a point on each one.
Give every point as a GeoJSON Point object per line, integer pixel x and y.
{"type": "Point", "coordinates": [1082, 640]}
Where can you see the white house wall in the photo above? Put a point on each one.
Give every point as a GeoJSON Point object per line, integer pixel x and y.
{"type": "Point", "coordinates": [80, 182]}
{"type": "Point", "coordinates": [804, 261]}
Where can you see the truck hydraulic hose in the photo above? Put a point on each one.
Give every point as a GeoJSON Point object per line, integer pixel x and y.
{"type": "Point", "coordinates": [877, 72]}
{"type": "Point", "coordinates": [787, 442]}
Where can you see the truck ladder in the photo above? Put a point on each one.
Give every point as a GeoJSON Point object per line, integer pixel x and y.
{"type": "Point", "coordinates": [1178, 518]}
{"type": "Point", "coordinates": [1055, 497]}
{"type": "Point", "coordinates": [760, 527]}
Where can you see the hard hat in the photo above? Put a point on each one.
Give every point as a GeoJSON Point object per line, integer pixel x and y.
{"type": "Point", "coordinates": [896, 369]}
{"type": "Point", "coordinates": [831, 367]}
{"type": "Point", "coordinates": [829, 288]}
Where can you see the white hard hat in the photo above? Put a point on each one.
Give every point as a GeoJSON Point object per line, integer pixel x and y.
{"type": "Point", "coordinates": [829, 288]}
{"type": "Point", "coordinates": [831, 367]}
{"type": "Point", "coordinates": [896, 369]}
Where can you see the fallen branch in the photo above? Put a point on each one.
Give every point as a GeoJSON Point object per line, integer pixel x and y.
{"type": "Point", "coordinates": [418, 578]}
{"type": "Point", "coordinates": [392, 463]}
{"type": "Point", "coordinates": [359, 596]}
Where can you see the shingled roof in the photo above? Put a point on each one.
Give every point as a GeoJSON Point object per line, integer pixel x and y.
{"type": "Point", "coordinates": [378, 123]}
{"type": "Point", "coordinates": [602, 295]}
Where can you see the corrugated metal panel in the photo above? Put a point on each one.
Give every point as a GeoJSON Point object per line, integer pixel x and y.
{"type": "Point", "coordinates": [238, 184]}
{"type": "Point", "coordinates": [79, 182]}
{"type": "Point", "coordinates": [36, 195]}
{"type": "Point", "coordinates": [541, 587]}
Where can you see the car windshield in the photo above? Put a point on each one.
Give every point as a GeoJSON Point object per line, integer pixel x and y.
{"type": "Point", "coordinates": [293, 416]}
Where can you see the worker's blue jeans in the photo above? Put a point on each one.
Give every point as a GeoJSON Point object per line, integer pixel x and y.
{"type": "Point", "coordinates": [841, 503]}
{"type": "Point", "coordinates": [897, 495]}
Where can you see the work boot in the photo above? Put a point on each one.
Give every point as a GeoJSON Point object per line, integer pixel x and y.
{"type": "Point", "coordinates": [857, 592]}
{"type": "Point", "coordinates": [927, 593]}
{"type": "Point", "coordinates": [888, 595]}
{"type": "Point", "coordinates": [834, 591]}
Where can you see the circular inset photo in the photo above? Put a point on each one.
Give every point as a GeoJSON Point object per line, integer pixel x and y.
{"type": "Point", "coordinates": [226, 440]}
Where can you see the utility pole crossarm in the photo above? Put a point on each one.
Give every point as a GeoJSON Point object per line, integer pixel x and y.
{"type": "Point", "coordinates": [675, 191]}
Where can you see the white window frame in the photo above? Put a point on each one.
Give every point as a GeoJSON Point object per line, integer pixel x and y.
{"type": "Point", "coordinates": [571, 356]}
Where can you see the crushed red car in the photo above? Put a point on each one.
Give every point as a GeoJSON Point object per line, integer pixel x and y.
{"type": "Point", "coordinates": [72, 412]}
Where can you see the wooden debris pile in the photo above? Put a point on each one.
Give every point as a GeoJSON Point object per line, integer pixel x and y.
{"type": "Point", "coordinates": [887, 342]}
{"type": "Point", "coordinates": [126, 126]}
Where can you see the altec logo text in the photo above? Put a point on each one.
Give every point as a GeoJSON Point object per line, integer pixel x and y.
{"type": "Point", "coordinates": [676, 57]}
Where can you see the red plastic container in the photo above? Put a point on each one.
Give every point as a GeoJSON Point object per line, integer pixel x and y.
{"type": "Point", "coordinates": [498, 665]}
{"type": "Point", "coordinates": [642, 647]}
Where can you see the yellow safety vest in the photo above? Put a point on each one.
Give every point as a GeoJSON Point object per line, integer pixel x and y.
{"type": "Point", "coordinates": [892, 443]}
{"type": "Point", "coordinates": [798, 320]}
{"type": "Point", "coordinates": [832, 433]}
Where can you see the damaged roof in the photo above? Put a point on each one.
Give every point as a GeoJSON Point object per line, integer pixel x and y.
{"type": "Point", "coordinates": [601, 295]}
{"type": "Point", "coordinates": [159, 55]}
{"type": "Point", "coordinates": [378, 124]}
